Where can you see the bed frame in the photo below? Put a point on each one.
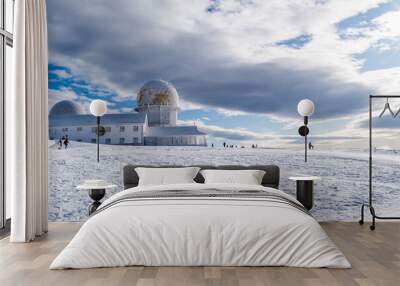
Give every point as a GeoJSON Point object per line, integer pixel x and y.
{"type": "Point", "coordinates": [270, 179]}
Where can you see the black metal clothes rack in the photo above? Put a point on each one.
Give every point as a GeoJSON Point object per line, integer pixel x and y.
{"type": "Point", "coordinates": [370, 200]}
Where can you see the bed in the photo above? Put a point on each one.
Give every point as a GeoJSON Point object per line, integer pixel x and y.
{"type": "Point", "coordinates": [201, 224]}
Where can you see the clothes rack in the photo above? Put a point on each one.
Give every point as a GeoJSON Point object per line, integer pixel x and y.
{"type": "Point", "coordinates": [370, 199]}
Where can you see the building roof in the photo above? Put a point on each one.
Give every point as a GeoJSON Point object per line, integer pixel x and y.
{"type": "Point", "coordinates": [88, 119]}
{"type": "Point", "coordinates": [172, 131]}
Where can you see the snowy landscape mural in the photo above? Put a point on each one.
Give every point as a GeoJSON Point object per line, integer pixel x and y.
{"type": "Point", "coordinates": [239, 69]}
{"type": "Point", "coordinates": [344, 184]}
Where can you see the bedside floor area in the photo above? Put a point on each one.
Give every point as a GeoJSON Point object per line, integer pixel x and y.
{"type": "Point", "coordinates": [375, 257]}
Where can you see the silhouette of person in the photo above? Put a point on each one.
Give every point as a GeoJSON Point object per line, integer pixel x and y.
{"type": "Point", "coordinates": [310, 146]}
{"type": "Point", "coordinates": [66, 141]}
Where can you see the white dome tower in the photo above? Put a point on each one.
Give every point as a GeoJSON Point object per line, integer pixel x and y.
{"type": "Point", "coordinates": [159, 100]}
{"type": "Point", "coordinates": [66, 107]}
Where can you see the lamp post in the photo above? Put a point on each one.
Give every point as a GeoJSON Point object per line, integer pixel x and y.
{"type": "Point", "coordinates": [305, 109]}
{"type": "Point", "coordinates": [98, 108]}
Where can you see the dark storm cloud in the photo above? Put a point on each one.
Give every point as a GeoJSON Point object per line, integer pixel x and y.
{"type": "Point", "coordinates": [122, 39]}
{"type": "Point", "coordinates": [275, 88]}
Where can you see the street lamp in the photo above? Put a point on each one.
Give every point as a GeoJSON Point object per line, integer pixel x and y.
{"type": "Point", "coordinates": [98, 108]}
{"type": "Point", "coordinates": [305, 109]}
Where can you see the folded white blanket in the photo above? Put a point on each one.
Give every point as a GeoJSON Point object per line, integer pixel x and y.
{"type": "Point", "coordinates": [160, 227]}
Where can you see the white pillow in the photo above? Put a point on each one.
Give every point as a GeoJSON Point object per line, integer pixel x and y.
{"type": "Point", "coordinates": [248, 177]}
{"type": "Point", "coordinates": [166, 176]}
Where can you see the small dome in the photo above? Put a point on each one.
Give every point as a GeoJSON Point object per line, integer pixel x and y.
{"type": "Point", "coordinates": [66, 107]}
{"type": "Point", "coordinates": [157, 92]}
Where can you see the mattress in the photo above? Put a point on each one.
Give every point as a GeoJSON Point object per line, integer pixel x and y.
{"type": "Point", "coordinates": [201, 225]}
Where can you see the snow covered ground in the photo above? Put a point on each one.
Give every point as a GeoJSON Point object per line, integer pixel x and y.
{"type": "Point", "coordinates": [344, 184]}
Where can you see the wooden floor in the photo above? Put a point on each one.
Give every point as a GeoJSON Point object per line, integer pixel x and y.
{"type": "Point", "coordinates": [375, 257]}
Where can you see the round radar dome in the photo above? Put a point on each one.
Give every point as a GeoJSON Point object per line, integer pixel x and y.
{"type": "Point", "coordinates": [66, 107]}
{"type": "Point", "coordinates": [157, 92]}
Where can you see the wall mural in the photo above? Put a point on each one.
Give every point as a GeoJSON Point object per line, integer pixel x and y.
{"type": "Point", "coordinates": [218, 82]}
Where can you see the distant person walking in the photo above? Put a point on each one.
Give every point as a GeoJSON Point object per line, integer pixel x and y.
{"type": "Point", "coordinates": [66, 142]}
{"type": "Point", "coordinates": [60, 143]}
{"type": "Point", "coordinates": [310, 146]}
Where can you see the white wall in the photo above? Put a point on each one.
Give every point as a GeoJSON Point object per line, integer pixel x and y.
{"type": "Point", "coordinates": [184, 140]}
{"type": "Point", "coordinates": [87, 134]}
{"type": "Point", "coordinates": [160, 115]}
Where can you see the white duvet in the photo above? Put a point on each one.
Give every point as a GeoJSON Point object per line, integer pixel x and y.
{"type": "Point", "coordinates": [193, 231]}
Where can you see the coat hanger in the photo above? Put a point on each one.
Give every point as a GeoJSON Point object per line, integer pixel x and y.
{"type": "Point", "coordinates": [387, 106]}
{"type": "Point", "coordinates": [397, 113]}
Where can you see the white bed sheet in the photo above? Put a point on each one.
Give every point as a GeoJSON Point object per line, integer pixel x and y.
{"type": "Point", "coordinates": [202, 232]}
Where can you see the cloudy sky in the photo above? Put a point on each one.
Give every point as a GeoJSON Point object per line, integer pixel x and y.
{"type": "Point", "coordinates": [240, 67]}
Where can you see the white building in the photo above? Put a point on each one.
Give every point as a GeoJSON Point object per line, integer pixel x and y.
{"type": "Point", "coordinates": [154, 123]}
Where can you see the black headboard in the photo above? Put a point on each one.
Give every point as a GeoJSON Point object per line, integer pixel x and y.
{"type": "Point", "coordinates": [271, 177]}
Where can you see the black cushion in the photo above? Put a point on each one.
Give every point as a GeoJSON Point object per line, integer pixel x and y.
{"type": "Point", "coordinates": [270, 179]}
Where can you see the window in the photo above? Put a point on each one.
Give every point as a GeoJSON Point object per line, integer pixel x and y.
{"type": "Point", "coordinates": [121, 140]}
{"type": "Point", "coordinates": [108, 140]}
{"type": "Point", "coordinates": [6, 44]}
{"type": "Point", "coordinates": [135, 128]}
{"type": "Point", "coordinates": [122, 129]}
{"type": "Point", "coordinates": [79, 129]}
{"type": "Point", "coordinates": [165, 118]}
{"type": "Point", "coordinates": [9, 17]}
{"type": "Point", "coordinates": [65, 129]}
{"type": "Point", "coordinates": [135, 140]}
{"type": "Point", "coordinates": [93, 140]}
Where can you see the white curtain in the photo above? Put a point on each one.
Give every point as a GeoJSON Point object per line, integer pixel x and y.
{"type": "Point", "coordinates": [27, 123]}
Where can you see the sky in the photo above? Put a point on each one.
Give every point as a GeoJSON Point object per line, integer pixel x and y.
{"type": "Point", "coordinates": [240, 67]}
